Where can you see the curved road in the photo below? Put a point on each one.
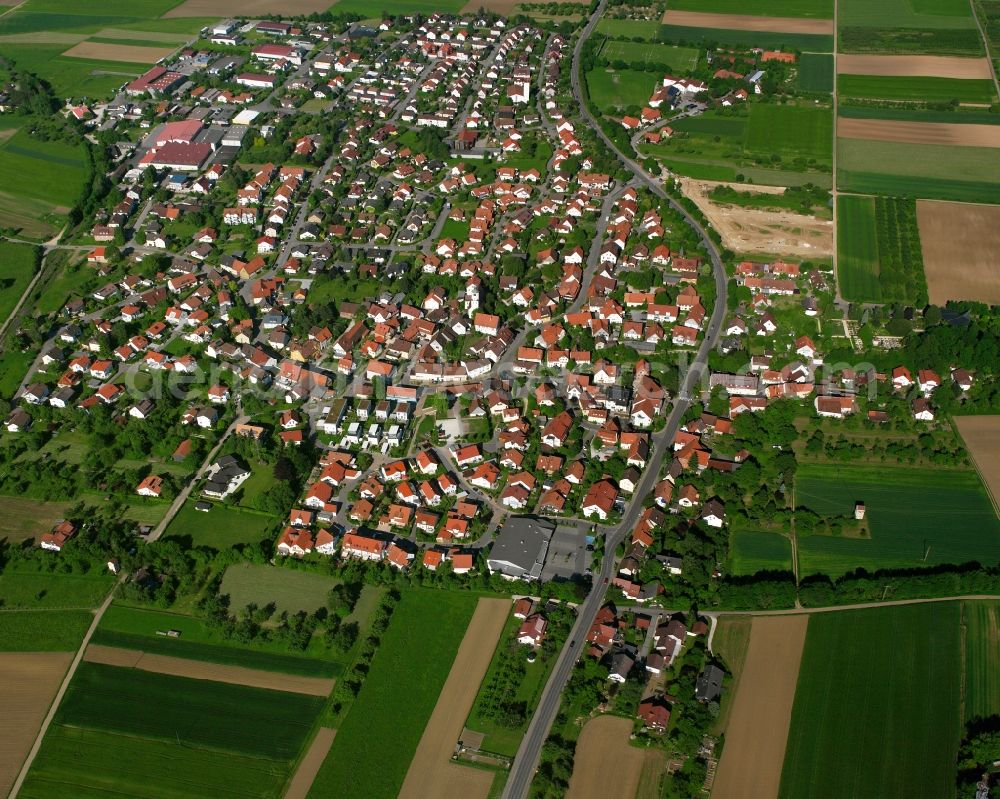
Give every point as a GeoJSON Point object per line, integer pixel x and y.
{"type": "Point", "coordinates": [526, 761]}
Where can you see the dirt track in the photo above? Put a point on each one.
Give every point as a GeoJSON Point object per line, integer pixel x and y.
{"type": "Point", "coordinates": [762, 711]}
{"type": "Point", "coordinates": [748, 22]}
{"type": "Point", "coordinates": [938, 66]}
{"type": "Point", "coordinates": [920, 132]}
{"type": "Point", "coordinates": [304, 775]}
{"type": "Point", "coordinates": [605, 765]}
{"type": "Point", "coordinates": [250, 8]}
{"type": "Point", "coordinates": [130, 53]}
{"type": "Point", "coordinates": [28, 682]}
{"type": "Point", "coordinates": [749, 230]}
{"type": "Point", "coordinates": [432, 775]}
{"type": "Point", "coordinates": [199, 670]}
{"type": "Point", "coordinates": [982, 437]}
{"type": "Point", "coordinates": [960, 243]}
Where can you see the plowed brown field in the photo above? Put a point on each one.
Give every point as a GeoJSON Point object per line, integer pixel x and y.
{"type": "Point", "coordinates": [28, 683]}
{"type": "Point", "coordinates": [938, 66]}
{"type": "Point", "coordinates": [748, 22]}
{"type": "Point", "coordinates": [605, 765]}
{"type": "Point", "coordinates": [762, 711]}
{"type": "Point", "coordinates": [982, 437]}
{"type": "Point", "coordinates": [252, 8]}
{"type": "Point", "coordinates": [960, 242]}
{"type": "Point", "coordinates": [919, 132]}
{"type": "Point", "coordinates": [118, 52]}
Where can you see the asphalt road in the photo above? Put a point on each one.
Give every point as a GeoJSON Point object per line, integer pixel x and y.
{"type": "Point", "coordinates": [526, 761]}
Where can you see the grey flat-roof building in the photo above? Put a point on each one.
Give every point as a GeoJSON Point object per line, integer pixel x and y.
{"type": "Point", "coordinates": [520, 548]}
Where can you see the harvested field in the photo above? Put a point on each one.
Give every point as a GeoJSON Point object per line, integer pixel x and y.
{"type": "Point", "coordinates": [982, 438]}
{"type": "Point", "coordinates": [762, 710]}
{"type": "Point", "coordinates": [28, 683]}
{"type": "Point", "coordinates": [152, 36]}
{"type": "Point", "coordinates": [431, 771]}
{"type": "Point", "coordinates": [911, 65]}
{"type": "Point", "coordinates": [746, 22]}
{"type": "Point", "coordinates": [118, 52]}
{"type": "Point", "coordinates": [920, 132]}
{"type": "Point", "coordinates": [604, 741]}
{"type": "Point", "coordinates": [308, 768]}
{"type": "Point", "coordinates": [200, 670]}
{"type": "Point", "coordinates": [750, 230]}
{"type": "Point", "coordinates": [959, 243]}
{"type": "Point", "coordinates": [246, 8]}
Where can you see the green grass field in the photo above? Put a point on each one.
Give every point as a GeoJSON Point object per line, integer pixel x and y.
{"type": "Point", "coordinates": [628, 28]}
{"type": "Point", "coordinates": [934, 171]}
{"type": "Point", "coordinates": [982, 659]}
{"type": "Point", "coordinates": [23, 587]}
{"type": "Point", "coordinates": [791, 131]}
{"type": "Point", "coordinates": [911, 114]}
{"type": "Point", "coordinates": [857, 249]}
{"type": "Point", "coordinates": [679, 58]}
{"type": "Point", "coordinates": [612, 89]}
{"type": "Point", "coordinates": [92, 764]}
{"type": "Point", "coordinates": [220, 528]}
{"type": "Point", "coordinates": [876, 710]}
{"type": "Point", "coordinates": [397, 698]}
{"type": "Point", "coordinates": [933, 14]}
{"type": "Point", "coordinates": [136, 628]}
{"type": "Point", "coordinates": [425, 7]}
{"type": "Point", "coordinates": [813, 9]}
{"type": "Point", "coordinates": [73, 77]}
{"type": "Point", "coordinates": [43, 630]}
{"type": "Point", "coordinates": [770, 40]}
{"type": "Point", "coordinates": [17, 267]}
{"type": "Point", "coordinates": [958, 42]}
{"type": "Point", "coordinates": [815, 73]}
{"type": "Point", "coordinates": [201, 713]}
{"type": "Point", "coordinates": [48, 171]}
{"type": "Point", "coordinates": [932, 90]}
{"type": "Point", "coordinates": [289, 589]}
{"type": "Point", "coordinates": [918, 517]}
{"type": "Point", "coordinates": [755, 550]}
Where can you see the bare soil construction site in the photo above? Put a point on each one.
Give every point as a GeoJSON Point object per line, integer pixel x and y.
{"type": "Point", "coordinates": [199, 670]}
{"type": "Point", "coordinates": [959, 243]}
{"type": "Point", "coordinates": [919, 132]}
{"type": "Point", "coordinates": [748, 22]}
{"type": "Point", "coordinates": [762, 710]}
{"type": "Point", "coordinates": [907, 66]}
{"type": "Point", "coordinates": [751, 230]}
{"type": "Point", "coordinates": [431, 773]}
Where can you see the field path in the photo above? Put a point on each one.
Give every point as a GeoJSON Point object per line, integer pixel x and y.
{"type": "Point", "coordinates": [432, 775]}
{"type": "Point", "coordinates": [309, 766]}
{"type": "Point", "coordinates": [77, 658]}
{"type": "Point", "coordinates": [201, 670]}
{"type": "Point", "coordinates": [762, 711]}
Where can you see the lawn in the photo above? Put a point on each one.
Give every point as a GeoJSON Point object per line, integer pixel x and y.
{"type": "Point", "coordinates": [21, 586]}
{"type": "Point", "coordinates": [17, 267]}
{"type": "Point", "coordinates": [982, 659]}
{"type": "Point", "coordinates": [43, 630]}
{"type": "Point", "coordinates": [876, 710]}
{"type": "Point", "coordinates": [681, 59]}
{"type": "Point", "coordinates": [70, 277]}
{"type": "Point", "coordinates": [200, 713]}
{"type": "Point", "coordinates": [931, 90]}
{"type": "Point", "coordinates": [857, 249]}
{"type": "Point", "coordinates": [137, 628]}
{"type": "Point", "coordinates": [917, 517]}
{"type": "Point", "coordinates": [612, 89]}
{"type": "Point", "coordinates": [934, 171]}
{"type": "Point", "coordinates": [812, 9]}
{"type": "Point", "coordinates": [376, 741]}
{"type": "Point", "coordinates": [289, 589]}
{"type": "Point", "coordinates": [757, 550]}
{"type": "Point", "coordinates": [220, 528]}
{"type": "Point", "coordinates": [768, 40]}
{"type": "Point", "coordinates": [50, 171]}
{"type": "Point", "coordinates": [91, 764]}
{"type": "Point", "coordinates": [815, 73]}
{"type": "Point", "coordinates": [22, 518]}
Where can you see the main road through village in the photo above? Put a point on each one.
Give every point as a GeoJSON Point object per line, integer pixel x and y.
{"type": "Point", "coordinates": [526, 761]}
